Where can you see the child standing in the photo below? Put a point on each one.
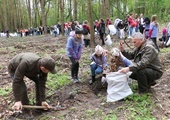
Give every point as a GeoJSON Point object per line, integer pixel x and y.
{"type": "Point", "coordinates": [74, 49]}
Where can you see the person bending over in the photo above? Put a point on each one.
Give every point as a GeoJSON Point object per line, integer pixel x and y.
{"type": "Point", "coordinates": [36, 69]}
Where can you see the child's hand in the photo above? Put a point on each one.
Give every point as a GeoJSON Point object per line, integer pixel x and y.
{"type": "Point", "coordinates": [121, 47]}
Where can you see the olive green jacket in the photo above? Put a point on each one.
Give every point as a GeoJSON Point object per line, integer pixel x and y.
{"type": "Point", "coordinates": [144, 57]}
{"type": "Point", "coordinates": [27, 64]}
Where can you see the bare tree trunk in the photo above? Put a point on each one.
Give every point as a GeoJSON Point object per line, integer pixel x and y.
{"type": "Point", "coordinates": [15, 15]}
{"type": "Point", "coordinates": [118, 8]}
{"type": "Point", "coordinates": [5, 15]}
{"type": "Point", "coordinates": [55, 14]}
{"type": "Point", "coordinates": [42, 3]}
{"type": "Point", "coordinates": [75, 9]}
{"type": "Point", "coordinates": [70, 11]}
{"type": "Point", "coordinates": [1, 18]}
{"type": "Point", "coordinates": [125, 6]}
{"type": "Point", "coordinates": [29, 12]}
{"type": "Point", "coordinates": [91, 24]}
{"type": "Point", "coordinates": [102, 9]}
{"type": "Point", "coordinates": [20, 15]}
{"type": "Point", "coordinates": [82, 10]}
{"type": "Point", "coordinates": [62, 15]}
{"type": "Point", "coordinates": [107, 9]}
{"type": "Point", "coordinates": [58, 10]}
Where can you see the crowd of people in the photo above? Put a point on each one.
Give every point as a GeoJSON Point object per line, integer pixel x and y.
{"type": "Point", "coordinates": [143, 62]}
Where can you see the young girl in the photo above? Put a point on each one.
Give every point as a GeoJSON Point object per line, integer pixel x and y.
{"type": "Point", "coordinates": [74, 49]}
{"type": "Point", "coordinates": [153, 31]}
{"type": "Point", "coordinates": [98, 64]}
{"type": "Point", "coordinates": [118, 60]}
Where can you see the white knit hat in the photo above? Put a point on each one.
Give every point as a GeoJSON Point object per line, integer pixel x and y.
{"type": "Point", "coordinates": [115, 52]}
{"type": "Point", "coordinates": [98, 50]}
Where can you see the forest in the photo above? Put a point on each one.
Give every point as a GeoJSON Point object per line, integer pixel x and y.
{"type": "Point", "coordinates": [81, 100]}
{"type": "Point", "coordinates": [21, 14]}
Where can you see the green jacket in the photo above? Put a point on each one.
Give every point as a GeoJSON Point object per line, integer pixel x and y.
{"type": "Point", "coordinates": [144, 57]}
{"type": "Point", "coordinates": [27, 64]}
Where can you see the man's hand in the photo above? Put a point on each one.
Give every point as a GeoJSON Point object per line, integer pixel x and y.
{"type": "Point", "coordinates": [124, 70]}
{"type": "Point", "coordinates": [17, 106]}
{"type": "Point", "coordinates": [45, 104]}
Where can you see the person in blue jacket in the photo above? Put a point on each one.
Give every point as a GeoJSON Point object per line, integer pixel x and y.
{"type": "Point", "coordinates": [74, 50]}
{"type": "Point", "coordinates": [98, 64]}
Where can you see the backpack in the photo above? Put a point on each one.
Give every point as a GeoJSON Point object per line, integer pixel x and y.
{"type": "Point", "coordinates": [85, 31]}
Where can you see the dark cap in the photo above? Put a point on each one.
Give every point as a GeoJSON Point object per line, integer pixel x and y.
{"type": "Point", "coordinates": [78, 30]}
{"type": "Point", "coordinates": [49, 64]}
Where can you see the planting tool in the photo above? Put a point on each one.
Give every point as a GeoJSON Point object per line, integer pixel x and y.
{"type": "Point", "coordinates": [58, 107]}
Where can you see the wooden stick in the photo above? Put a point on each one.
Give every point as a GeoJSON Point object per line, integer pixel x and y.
{"type": "Point", "coordinates": [36, 107]}
{"type": "Point", "coordinates": [42, 107]}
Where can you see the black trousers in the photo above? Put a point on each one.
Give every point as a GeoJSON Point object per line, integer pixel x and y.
{"type": "Point", "coordinates": [74, 68]}
{"type": "Point", "coordinates": [155, 42]}
{"type": "Point", "coordinates": [102, 38]}
{"type": "Point", "coordinates": [141, 28]}
{"type": "Point", "coordinates": [86, 42]}
{"type": "Point", "coordinates": [145, 78]}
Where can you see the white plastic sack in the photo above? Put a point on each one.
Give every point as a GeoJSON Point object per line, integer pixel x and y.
{"type": "Point", "coordinates": [112, 29]}
{"type": "Point", "coordinates": [122, 33]}
{"type": "Point", "coordinates": [168, 43]}
{"type": "Point", "coordinates": [13, 34]}
{"type": "Point", "coordinates": [118, 87]}
{"type": "Point", "coordinates": [108, 40]}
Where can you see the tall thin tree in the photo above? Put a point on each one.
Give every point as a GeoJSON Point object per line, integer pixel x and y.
{"type": "Point", "coordinates": [91, 23]}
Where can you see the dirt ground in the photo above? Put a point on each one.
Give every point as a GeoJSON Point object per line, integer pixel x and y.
{"type": "Point", "coordinates": [74, 98]}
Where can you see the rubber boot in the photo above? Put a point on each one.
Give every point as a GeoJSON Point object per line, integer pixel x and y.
{"type": "Point", "coordinates": [92, 80]}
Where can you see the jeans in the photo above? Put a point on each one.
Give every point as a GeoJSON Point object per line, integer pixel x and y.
{"type": "Point", "coordinates": [130, 30]}
{"type": "Point", "coordinates": [74, 68]}
{"type": "Point", "coordinates": [95, 69]}
{"type": "Point", "coordinates": [145, 77]}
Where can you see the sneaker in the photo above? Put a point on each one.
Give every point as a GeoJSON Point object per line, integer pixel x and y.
{"type": "Point", "coordinates": [78, 80]}
{"type": "Point", "coordinates": [129, 37]}
{"type": "Point", "coordinates": [75, 80]}
{"type": "Point", "coordinates": [91, 82]}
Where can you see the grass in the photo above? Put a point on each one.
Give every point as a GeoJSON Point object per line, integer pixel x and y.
{"type": "Point", "coordinates": [110, 117]}
{"type": "Point", "coordinates": [5, 91]}
{"type": "Point", "coordinates": [61, 51]}
{"type": "Point", "coordinates": [56, 81]}
{"type": "Point", "coordinates": [165, 50]}
{"type": "Point", "coordinates": [140, 108]}
{"type": "Point", "coordinates": [135, 107]}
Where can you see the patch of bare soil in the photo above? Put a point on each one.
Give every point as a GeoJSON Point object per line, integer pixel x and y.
{"type": "Point", "coordinates": [77, 99]}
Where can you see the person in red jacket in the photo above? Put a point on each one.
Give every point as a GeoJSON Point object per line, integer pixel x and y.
{"type": "Point", "coordinates": [108, 22]}
{"type": "Point", "coordinates": [132, 25]}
